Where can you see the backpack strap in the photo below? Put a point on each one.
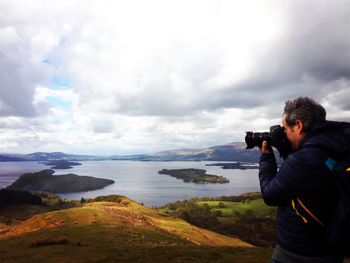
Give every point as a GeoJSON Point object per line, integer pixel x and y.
{"type": "Point", "coordinates": [296, 211]}
{"type": "Point", "coordinates": [309, 212]}
{"type": "Point", "coordinates": [330, 163]}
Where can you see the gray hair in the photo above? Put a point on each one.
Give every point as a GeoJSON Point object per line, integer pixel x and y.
{"type": "Point", "coordinates": [306, 110]}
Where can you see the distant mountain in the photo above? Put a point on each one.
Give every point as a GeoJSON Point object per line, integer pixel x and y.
{"type": "Point", "coordinates": [45, 156]}
{"type": "Point", "coordinates": [9, 158]}
{"type": "Point", "coordinates": [42, 156]}
{"type": "Point", "coordinates": [235, 151]}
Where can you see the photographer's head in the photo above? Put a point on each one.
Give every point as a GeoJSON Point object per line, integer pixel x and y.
{"type": "Point", "coordinates": [299, 117]}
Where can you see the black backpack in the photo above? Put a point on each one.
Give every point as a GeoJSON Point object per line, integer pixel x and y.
{"type": "Point", "coordinates": [337, 229]}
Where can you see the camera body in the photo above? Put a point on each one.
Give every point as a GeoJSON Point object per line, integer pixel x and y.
{"type": "Point", "coordinates": [276, 138]}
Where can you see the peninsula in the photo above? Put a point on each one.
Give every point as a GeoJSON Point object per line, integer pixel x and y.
{"type": "Point", "coordinates": [194, 176]}
{"type": "Point", "coordinates": [66, 183]}
{"type": "Point", "coordinates": [61, 164]}
{"type": "Point", "coordinates": [235, 165]}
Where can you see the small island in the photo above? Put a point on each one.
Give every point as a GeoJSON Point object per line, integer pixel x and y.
{"type": "Point", "coordinates": [236, 165]}
{"type": "Point", "coordinates": [194, 176]}
{"type": "Point", "coordinates": [65, 183]}
{"type": "Point", "coordinates": [61, 164]}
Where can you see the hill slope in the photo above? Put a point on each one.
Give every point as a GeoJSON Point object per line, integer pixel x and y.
{"type": "Point", "coordinates": [114, 228]}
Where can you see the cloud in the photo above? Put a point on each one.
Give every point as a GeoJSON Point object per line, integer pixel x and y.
{"type": "Point", "coordinates": [163, 65]}
{"type": "Point", "coordinates": [142, 76]}
{"type": "Point", "coordinates": [311, 56]}
{"type": "Point", "coordinates": [102, 126]}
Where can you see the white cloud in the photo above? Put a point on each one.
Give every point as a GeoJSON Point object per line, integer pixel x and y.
{"type": "Point", "coordinates": [140, 76]}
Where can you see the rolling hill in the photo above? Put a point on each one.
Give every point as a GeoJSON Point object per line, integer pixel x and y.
{"type": "Point", "coordinates": [112, 229]}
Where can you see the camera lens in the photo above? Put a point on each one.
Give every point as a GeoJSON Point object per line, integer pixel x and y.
{"type": "Point", "coordinates": [253, 139]}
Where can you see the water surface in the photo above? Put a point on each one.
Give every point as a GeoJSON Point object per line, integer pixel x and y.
{"type": "Point", "coordinates": [141, 182]}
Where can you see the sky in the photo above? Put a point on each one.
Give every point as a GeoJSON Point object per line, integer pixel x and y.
{"type": "Point", "coordinates": [110, 77]}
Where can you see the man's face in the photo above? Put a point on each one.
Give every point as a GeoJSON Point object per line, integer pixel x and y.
{"type": "Point", "coordinates": [294, 133]}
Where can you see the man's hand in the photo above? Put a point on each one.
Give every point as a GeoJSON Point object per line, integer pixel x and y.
{"type": "Point", "coordinates": [265, 148]}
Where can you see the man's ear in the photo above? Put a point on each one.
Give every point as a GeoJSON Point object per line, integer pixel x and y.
{"type": "Point", "coordinates": [299, 126]}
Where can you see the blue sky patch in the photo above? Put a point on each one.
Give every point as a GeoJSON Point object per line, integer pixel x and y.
{"type": "Point", "coordinates": [63, 119]}
{"type": "Point", "coordinates": [58, 102]}
{"type": "Point", "coordinates": [47, 61]}
{"type": "Point", "coordinates": [60, 83]}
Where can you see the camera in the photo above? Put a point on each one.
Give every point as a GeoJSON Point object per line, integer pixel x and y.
{"type": "Point", "coordinates": [276, 138]}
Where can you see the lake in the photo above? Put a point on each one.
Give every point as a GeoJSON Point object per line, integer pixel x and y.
{"type": "Point", "coordinates": [141, 182]}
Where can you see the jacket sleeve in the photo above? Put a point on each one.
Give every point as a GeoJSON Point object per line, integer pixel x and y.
{"type": "Point", "coordinates": [278, 188]}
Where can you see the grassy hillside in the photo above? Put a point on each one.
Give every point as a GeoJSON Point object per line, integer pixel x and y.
{"type": "Point", "coordinates": [245, 216]}
{"type": "Point", "coordinates": [113, 229]}
{"type": "Point", "coordinates": [230, 208]}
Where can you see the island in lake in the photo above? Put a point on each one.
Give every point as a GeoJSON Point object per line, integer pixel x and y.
{"type": "Point", "coordinates": [65, 183]}
{"type": "Point", "coordinates": [236, 165]}
{"type": "Point", "coordinates": [194, 176]}
{"type": "Point", "coordinates": [61, 164]}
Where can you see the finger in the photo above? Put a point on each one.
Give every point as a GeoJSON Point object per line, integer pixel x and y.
{"type": "Point", "coordinates": [265, 147]}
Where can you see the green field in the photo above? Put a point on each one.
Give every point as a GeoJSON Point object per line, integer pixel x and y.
{"type": "Point", "coordinates": [230, 208]}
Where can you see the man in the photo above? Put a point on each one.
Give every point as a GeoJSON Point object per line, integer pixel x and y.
{"type": "Point", "coordinates": [303, 188]}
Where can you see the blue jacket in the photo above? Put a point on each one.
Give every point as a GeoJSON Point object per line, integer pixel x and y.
{"type": "Point", "coordinates": [305, 175]}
